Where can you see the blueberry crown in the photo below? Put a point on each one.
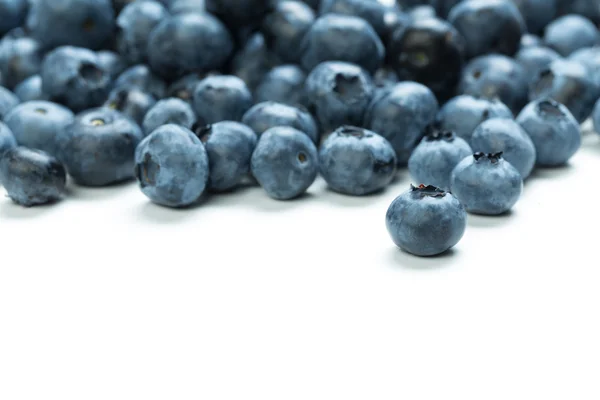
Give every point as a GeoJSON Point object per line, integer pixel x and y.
{"type": "Point", "coordinates": [549, 107]}
{"type": "Point", "coordinates": [437, 135]}
{"type": "Point", "coordinates": [349, 130]}
{"type": "Point", "coordinates": [494, 158]}
{"type": "Point", "coordinates": [422, 191]}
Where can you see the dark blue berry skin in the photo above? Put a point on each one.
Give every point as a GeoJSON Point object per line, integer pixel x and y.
{"type": "Point", "coordinates": [501, 135]}
{"type": "Point", "coordinates": [237, 13]}
{"type": "Point", "coordinates": [537, 13]}
{"type": "Point", "coordinates": [590, 58]}
{"type": "Point", "coordinates": [442, 7]}
{"type": "Point", "coordinates": [98, 147]}
{"type": "Point", "coordinates": [131, 102]}
{"type": "Point", "coordinates": [432, 161]}
{"type": "Point", "coordinates": [253, 61]}
{"type": "Point", "coordinates": [221, 98]}
{"type": "Point", "coordinates": [285, 27]}
{"type": "Point", "coordinates": [357, 161]}
{"type": "Point", "coordinates": [187, 43]}
{"type": "Point", "coordinates": [339, 93]}
{"type": "Point", "coordinates": [8, 101]}
{"type": "Point", "coordinates": [171, 166]}
{"type": "Point", "coordinates": [587, 8]}
{"type": "Point", "coordinates": [74, 77]}
{"type": "Point", "coordinates": [39, 124]}
{"type": "Point", "coordinates": [385, 77]}
{"type": "Point", "coordinates": [488, 26]}
{"type": "Point", "coordinates": [570, 83]}
{"type": "Point", "coordinates": [401, 114]}
{"type": "Point", "coordinates": [464, 113]}
{"type": "Point", "coordinates": [553, 130]}
{"type": "Point", "coordinates": [531, 40]}
{"type": "Point", "coordinates": [283, 84]}
{"type": "Point", "coordinates": [184, 87]}
{"type": "Point", "coordinates": [134, 24]}
{"type": "Point", "coordinates": [267, 115]}
{"type": "Point", "coordinates": [285, 162]}
{"type": "Point", "coordinates": [422, 12]}
{"type": "Point", "coordinates": [32, 177]}
{"type": "Point", "coordinates": [372, 11]}
{"type": "Point", "coordinates": [229, 145]}
{"type": "Point", "coordinates": [13, 14]}
{"type": "Point", "coordinates": [112, 63]}
{"type": "Point", "coordinates": [142, 77]}
{"type": "Point", "coordinates": [7, 139]}
{"type": "Point", "coordinates": [496, 76]}
{"type": "Point", "coordinates": [336, 37]}
{"type": "Point", "coordinates": [20, 58]}
{"type": "Point", "coordinates": [570, 33]}
{"type": "Point", "coordinates": [186, 6]}
{"type": "Point", "coordinates": [486, 184]}
{"type": "Point", "coordinates": [169, 111]}
{"type": "Point", "coordinates": [535, 59]}
{"type": "Point", "coordinates": [81, 23]}
{"type": "Point", "coordinates": [595, 118]}
{"type": "Point", "coordinates": [426, 221]}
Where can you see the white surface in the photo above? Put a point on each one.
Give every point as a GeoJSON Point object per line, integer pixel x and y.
{"type": "Point", "coordinates": [106, 296]}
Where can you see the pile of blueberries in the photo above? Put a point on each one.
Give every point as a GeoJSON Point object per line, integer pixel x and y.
{"type": "Point", "coordinates": [195, 96]}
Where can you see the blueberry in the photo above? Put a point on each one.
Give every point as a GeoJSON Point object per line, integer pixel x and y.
{"type": "Point", "coordinates": [267, 115]}
{"type": "Point", "coordinates": [131, 102]}
{"type": "Point", "coordinates": [112, 63]}
{"type": "Point", "coordinates": [285, 162]}
{"type": "Point", "coordinates": [285, 27]}
{"type": "Point", "coordinates": [569, 83]}
{"type": "Point", "coordinates": [169, 111]}
{"type": "Point", "coordinates": [229, 145]}
{"type": "Point", "coordinates": [554, 131]}
{"type": "Point", "coordinates": [537, 13]}
{"type": "Point", "coordinates": [339, 93]}
{"type": "Point", "coordinates": [98, 147]}
{"type": "Point", "coordinates": [441, 7]}
{"type": "Point", "coordinates": [252, 62]}
{"type": "Point", "coordinates": [530, 40]}
{"type": "Point", "coordinates": [134, 25]}
{"type": "Point", "coordinates": [535, 59]}
{"type": "Point", "coordinates": [570, 33]}
{"type": "Point", "coordinates": [240, 12]}
{"type": "Point", "coordinates": [13, 14]}
{"type": "Point", "coordinates": [336, 37]}
{"type": "Point", "coordinates": [186, 43]}
{"type": "Point", "coordinates": [422, 47]}
{"type": "Point", "coordinates": [426, 221]}
{"type": "Point", "coordinates": [422, 12]}
{"type": "Point", "coordinates": [501, 135]}
{"type": "Point", "coordinates": [464, 113]}
{"type": "Point", "coordinates": [385, 77]}
{"type": "Point", "coordinates": [184, 87]}
{"type": "Point", "coordinates": [81, 23]}
{"type": "Point", "coordinates": [39, 124]}
{"type": "Point", "coordinates": [590, 58]}
{"type": "Point", "coordinates": [372, 11]}
{"type": "Point", "coordinates": [488, 26]}
{"type": "Point", "coordinates": [8, 101]}
{"type": "Point", "coordinates": [20, 58]}
{"type": "Point", "coordinates": [7, 139]}
{"type": "Point", "coordinates": [401, 114]}
{"type": "Point", "coordinates": [171, 166]}
{"type": "Point", "coordinates": [595, 118]}
{"type": "Point", "coordinates": [496, 76]}
{"type": "Point", "coordinates": [283, 84]}
{"type": "Point", "coordinates": [221, 98]}
{"type": "Point", "coordinates": [32, 177]}
{"type": "Point", "coordinates": [186, 6]}
{"type": "Point", "coordinates": [435, 157]}
{"type": "Point", "coordinates": [357, 161]}
{"type": "Point", "coordinates": [587, 8]}
{"type": "Point", "coordinates": [486, 184]}
{"type": "Point", "coordinates": [73, 76]}
{"type": "Point", "coordinates": [141, 77]}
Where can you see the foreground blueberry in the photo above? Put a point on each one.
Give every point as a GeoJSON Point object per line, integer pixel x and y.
{"type": "Point", "coordinates": [221, 98]}
{"type": "Point", "coordinates": [7, 139]}
{"type": "Point", "coordinates": [486, 184]}
{"type": "Point", "coordinates": [171, 166]}
{"type": "Point", "coordinates": [356, 161]}
{"type": "Point", "coordinates": [8, 101]}
{"type": "Point", "coordinates": [20, 58]}
{"type": "Point", "coordinates": [554, 131]}
{"type": "Point", "coordinates": [285, 162]}
{"type": "Point", "coordinates": [570, 33]}
{"type": "Point", "coordinates": [267, 115]}
{"type": "Point", "coordinates": [169, 111]}
{"type": "Point", "coordinates": [98, 147]}
{"type": "Point", "coordinates": [426, 221]}
{"type": "Point", "coordinates": [32, 177]}
{"type": "Point", "coordinates": [229, 145]}
{"type": "Point", "coordinates": [283, 84]}
{"type": "Point", "coordinates": [131, 102]}
{"type": "Point", "coordinates": [433, 160]}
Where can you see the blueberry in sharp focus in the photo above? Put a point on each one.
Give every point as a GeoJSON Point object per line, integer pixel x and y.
{"type": "Point", "coordinates": [39, 124]}
{"type": "Point", "coordinates": [254, 59]}
{"type": "Point", "coordinates": [372, 11]}
{"type": "Point", "coordinates": [142, 77]}
{"type": "Point", "coordinates": [8, 101]}
{"type": "Point", "coordinates": [184, 87]}
{"type": "Point", "coordinates": [488, 26]}
{"type": "Point", "coordinates": [131, 102]}
{"type": "Point", "coordinates": [221, 98]}
{"type": "Point", "coordinates": [229, 145]}
{"type": "Point", "coordinates": [7, 139]}
{"type": "Point", "coordinates": [81, 23]}
{"type": "Point", "coordinates": [345, 38]}
{"type": "Point", "coordinates": [426, 221]}
{"type": "Point", "coordinates": [285, 162]}
{"type": "Point", "coordinates": [339, 93]}
{"type": "Point", "coordinates": [486, 184]}
{"type": "Point", "coordinates": [422, 47]}
{"type": "Point", "coordinates": [32, 177]}
{"type": "Point", "coordinates": [73, 76]}
{"type": "Point", "coordinates": [283, 84]}
{"type": "Point", "coordinates": [535, 59]}
{"type": "Point", "coordinates": [20, 58]}
{"type": "Point", "coordinates": [169, 111]}
{"type": "Point", "coordinates": [537, 13]}
{"type": "Point", "coordinates": [112, 63]}
{"type": "Point", "coordinates": [502, 135]}
{"type": "Point", "coordinates": [435, 157]}
{"type": "Point", "coordinates": [570, 33]}
{"type": "Point", "coordinates": [357, 161]}
{"type": "Point", "coordinates": [13, 14]}
{"type": "Point", "coordinates": [464, 113]}
{"type": "Point", "coordinates": [171, 166]}
{"type": "Point", "coordinates": [554, 131]}
{"type": "Point", "coordinates": [267, 115]}
{"type": "Point", "coordinates": [569, 83]}
{"type": "Point", "coordinates": [97, 148]}
{"type": "Point", "coordinates": [401, 114]}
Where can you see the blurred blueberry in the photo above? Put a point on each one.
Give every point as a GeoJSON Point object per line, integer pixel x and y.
{"type": "Point", "coordinates": [587, 8]}
{"type": "Point", "coordinates": [112, 63]}
{"type": "Point", "coordinates": [385, 77]}
{"type": "Point", "coordinates": [253, 61]}
{"type": "Point", "coordinates": [442, 7]}
{"type": "Point", "coordinates": [184, 87]}
{"type": "Point", "coordinates": [238, 13]}
{"type": "Point", "coordinates": [186, 6]}
{"type": "Point", "coordinates": [530, 40]}
{"type": "Point", "coordinates": [131, 102]}
{"type": "Point", "coordinates": [372, 11]}
{"type": "Point", "coordinates": [537, 13]}
{"type": "Point", "coordinates": [8, 101]}
{"type": "Point", "coordinates": [169, 111]}
{"type": "Point", "coordinates": [13, 14]}
{"type": "Point", "coordinates": [20, 58]}
{"type": "Point", "coordinates": [535, 59]}
{"type": "Point", "coordinates": [595, 118]}
{"type": "Point", "coordinates": [7, 139]}
{"type": "Point", "coordinates": [285, 27]}
{"type": "Point", "coordinates": [571, 33]}
{"type": "Point", "coordinates": [283, 84]}
{"type": "Point", "coordinates": [590, 58]}
{"type": "Point", "coordinates": [141, 77]}
{"type": "Point", "coordinates": [264, 116]}
{"type": "Point", "coordinates": [221, 98]}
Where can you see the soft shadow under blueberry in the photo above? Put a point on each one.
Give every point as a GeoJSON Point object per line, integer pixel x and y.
{"type": "Point", "coordinates": [490, 221]}
{"type": "Point", "coordinates": [87, 193]}
{"type": "Point", "coordinates": [156, 213]}
{"type": "Point", "coordinates": [345, 200]}
{"type": "Point", "coordinates": [406, 260]}
{"type": "Point", "coordinates": [265, 203]}
{"type": "Point", "coordinates": [11, 210]}
{"type": "Point", "coordinates": [550, 173]}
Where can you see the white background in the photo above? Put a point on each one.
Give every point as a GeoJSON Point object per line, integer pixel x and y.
{"type": "Point", "coordinates": [106, 296]}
